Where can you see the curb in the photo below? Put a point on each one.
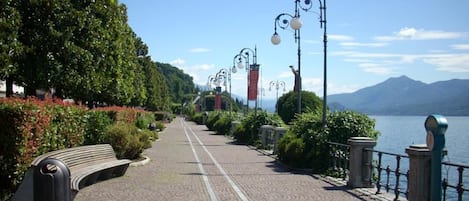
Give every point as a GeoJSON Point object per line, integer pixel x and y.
{"type": "Point", "coordinates": [140, 163]}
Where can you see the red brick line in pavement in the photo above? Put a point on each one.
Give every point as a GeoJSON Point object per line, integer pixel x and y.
{"type": "Point", "coordinates": [173, 173]}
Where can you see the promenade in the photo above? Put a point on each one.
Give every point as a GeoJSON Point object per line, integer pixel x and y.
{"type": "Point", "coordinates": [191, 163]}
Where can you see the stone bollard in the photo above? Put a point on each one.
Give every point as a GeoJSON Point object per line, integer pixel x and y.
{"type": "Point", "coordinates": [419, 172]}
{"type": "Point", "coordinates": [279, 132]}
{"type": "Point", "coordinates": [264, 131]}
{"type": "Point", "coordinates": [234, 124]}
{"type": "Point", "coordinates": [360, 162]}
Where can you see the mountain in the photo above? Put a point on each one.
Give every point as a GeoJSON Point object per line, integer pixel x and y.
{"type": "Point", "coordinates": [405, 96]}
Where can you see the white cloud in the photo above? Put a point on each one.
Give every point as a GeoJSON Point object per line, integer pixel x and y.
{"type": "Point", "coordinates": [455, 63]}
{"type": "Point", "coordinates": [420, 34]}
{"type": "Point", "coordinates": [460, 46]}
{"type": "Point", "coordinates": [202, 67]}
{"type": "Point", "coordinates": [199, 50]}
{"type": "Point", "coordinates": [356, 44]}
{"type": "Point", "coordinates": [385, 63]}
{"type": "Point", "coordinates": [376, 68]}
{"type": "Point", "coordinates": [338, 37]}
{"type": "Point", "coordinates": [313, 84]}
{"type": "Point", "coordinates": [178, 62]}
{"type": "Point", "coordinates": [358, 60]}
{"type": "Point", "coordinates": [338, 89]}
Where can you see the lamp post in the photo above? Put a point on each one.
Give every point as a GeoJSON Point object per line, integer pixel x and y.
{"type": "Point", "coordinates": [225, 75]}
{"type": "Point", "coordinates": [277, 84]}
{"type": "Point", "coordinates": [323, 22]}
{"type": "Point", "coordinates": [217, 81]}
{"type": "Point", "coordinates": [295, 24]}
{"type": "Point", "coordinates": [251, 69]}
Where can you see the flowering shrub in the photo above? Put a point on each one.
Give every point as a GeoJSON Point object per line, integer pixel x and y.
{"type": "Point", "coordinates": [31, 127]}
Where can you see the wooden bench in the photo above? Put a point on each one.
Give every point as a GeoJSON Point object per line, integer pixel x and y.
{"type": "Point", "coordinates": [88, 164]}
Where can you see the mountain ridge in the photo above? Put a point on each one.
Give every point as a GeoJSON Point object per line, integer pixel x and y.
{"type": "Point", "coordinates": [405, 96]}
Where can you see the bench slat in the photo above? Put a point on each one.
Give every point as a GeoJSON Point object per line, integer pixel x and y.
{"type": "Point", "coordinates": [88, 164]}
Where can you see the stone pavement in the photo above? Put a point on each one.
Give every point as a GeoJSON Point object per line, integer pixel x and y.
{"type": "Point", "coordinates": [191, 163]}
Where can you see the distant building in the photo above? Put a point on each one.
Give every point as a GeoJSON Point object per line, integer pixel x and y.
{"type": "Point", "coordinates": [16, 89]}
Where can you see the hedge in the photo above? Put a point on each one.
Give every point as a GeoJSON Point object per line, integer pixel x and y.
{"type": "Point", "coordinates": [31, 127]}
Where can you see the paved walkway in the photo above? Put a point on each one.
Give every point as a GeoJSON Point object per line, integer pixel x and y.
{"type": "Point", "coordinates": [190, 163]}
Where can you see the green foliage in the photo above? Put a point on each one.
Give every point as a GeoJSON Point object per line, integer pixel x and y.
{"type": "Point", "coordinates": [160, 125]}
{"type": "Point", "coordinates": [157, 91]}
{"type": "Point", "coordinates": [346, 124]}
{"type": "Point", "coordinates": [84, 50]}
{"type": "Point", "coordinates": [144, 119]}
{"type": "Point", "coordinates": [125, 140]}
{"type": "Point", "coordinates": [252, 123]}
{"type": "Point", "coordinates": [223, 124]}
{"type": "Point", "coordinates": [288, 104]}
{"type": "Point", "coordinates": [189, 109]}
{"type": "Point", "coordinates": [212, 118]}
{"type": "Point", "coordinates": [290, 150]}
{"type": "Point", "coordinates": [68, 126]}
{"type": "Point", "coordinates": [241, 135]}
{"type": "Point", "coordinates": [10, 47]}
{"type": "Point", "coordinates": [31, 128]}
{"type": "Point", "coordinates": [198, 118]}
{"type": "Point", "coordinates": [179, 83]}
{"type": "Point", "coordinates": [98, 122]}
{"type": "Point", "coordinates": [314, 137]}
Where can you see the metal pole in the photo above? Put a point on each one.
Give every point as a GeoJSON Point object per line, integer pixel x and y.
{"type": "Point", "coordinates": [324, 21]}
{"type": "Point", "coordinates": [297, 14]}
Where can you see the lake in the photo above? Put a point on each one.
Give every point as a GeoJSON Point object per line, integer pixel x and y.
{"type": "Point", "coordinates": [399, 132]}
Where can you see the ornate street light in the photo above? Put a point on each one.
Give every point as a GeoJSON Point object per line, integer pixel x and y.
{"type": "Point", "coordinates": [251, 68]}
{"type": "Point", "coordinates": [217, 81]}
{"type": "Point", "coordinates": [295, 24]}
{"type": "Point", "coordinates": [225, 75]}
{"type": "Point", "coordinates": [277, 84]}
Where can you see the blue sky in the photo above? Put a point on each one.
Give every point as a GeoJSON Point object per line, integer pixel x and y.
{"type": "Point", "coordinates": [369, 41]}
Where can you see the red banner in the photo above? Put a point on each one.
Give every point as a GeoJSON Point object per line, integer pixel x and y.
{"type": "Point", "coordinates": [217, 101]}
{"type": "Point", "coordinates": [252, 88]}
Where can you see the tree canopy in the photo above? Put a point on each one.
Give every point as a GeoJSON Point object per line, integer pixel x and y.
{"type": "Point", "coordinates": [287, 104]}
{"type": "Point", "coordinates": [84, 50]}
{"type": "Point", "coordinates": [180, 84]}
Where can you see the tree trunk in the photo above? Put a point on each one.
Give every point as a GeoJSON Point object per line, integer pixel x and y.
{"type": "Point", "coordinates": [9, 87]}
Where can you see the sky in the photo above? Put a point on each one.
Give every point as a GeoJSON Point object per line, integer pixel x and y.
{"type": "Point", "coordinates": [369, 41]}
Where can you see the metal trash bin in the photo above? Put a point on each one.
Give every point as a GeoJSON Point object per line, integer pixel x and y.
{"type": "Point", "coordinates": [52, 181]}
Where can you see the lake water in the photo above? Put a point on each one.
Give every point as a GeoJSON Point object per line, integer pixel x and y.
{"type": "Point", "coordinates": [399, 132]}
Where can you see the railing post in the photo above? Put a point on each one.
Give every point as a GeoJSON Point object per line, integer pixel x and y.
{"type": "Point", "coordinates": [360, 162]}
{"type": "Point", "coordinates": [419, 172]}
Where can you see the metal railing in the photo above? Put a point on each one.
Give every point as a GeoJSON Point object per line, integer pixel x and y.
{"type": "Point", "coordinates": [340, 157]}
{"type": "Point", "coordinates": [459, 186]}
{"type": "Point", "coordinates": [394, 179]}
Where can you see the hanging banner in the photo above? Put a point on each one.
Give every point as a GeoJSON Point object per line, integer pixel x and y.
{"type": "Point", "coordinates": [253, 79]}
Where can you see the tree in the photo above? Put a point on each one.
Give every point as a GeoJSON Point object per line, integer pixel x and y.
{"type": "Point", "coordinates": [157, 98]}
{"type": "Point", "coordinates": [83, 49]}
{"type": "Point", "coordinates": [287, 104]}
{"type": "Point", "coordinates": [10, 46]}
{"type": "Point", "coordinates": [178, 82]}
